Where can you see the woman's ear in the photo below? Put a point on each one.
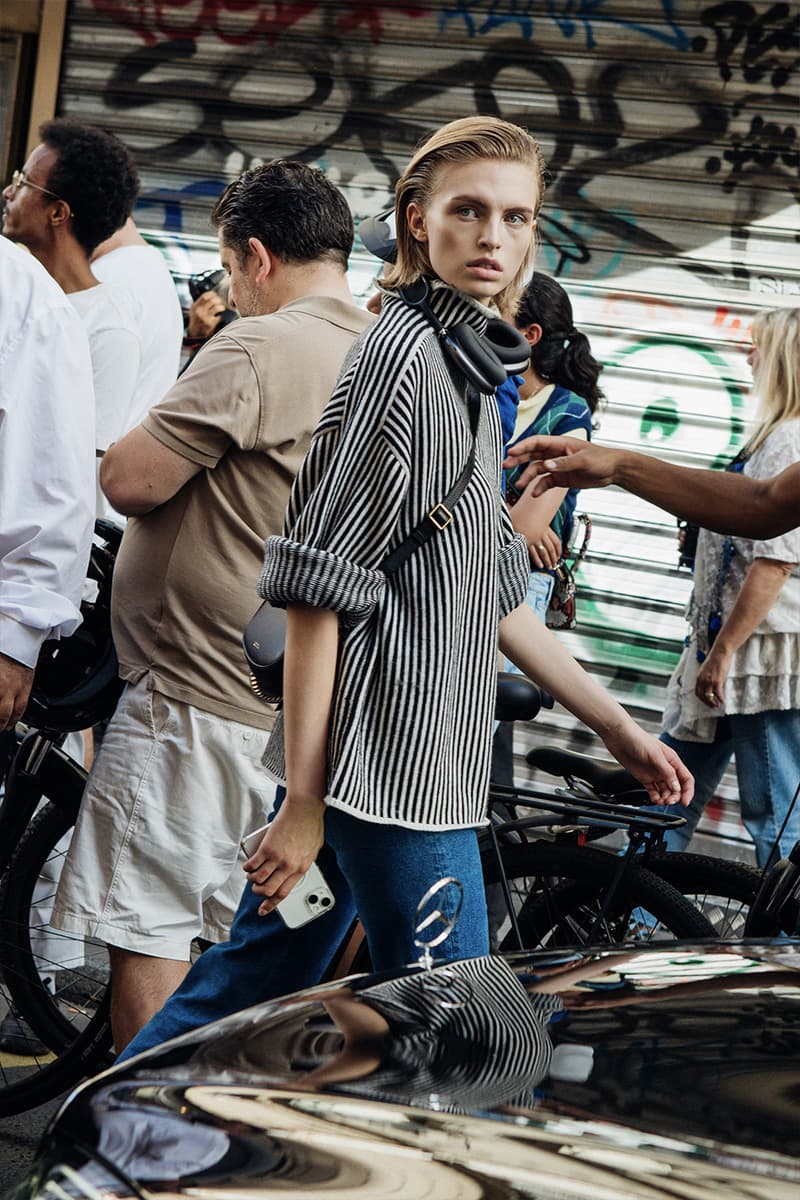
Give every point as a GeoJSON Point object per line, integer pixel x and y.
{"type": "Point", "coordinates": [415, 220]}
{"type": "Point", "coordinates": [532, 333]}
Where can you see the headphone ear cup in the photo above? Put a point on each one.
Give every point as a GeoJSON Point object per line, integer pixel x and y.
{"type": "Point", "coordinates": [476, 358]}
{"type": "Point", "coordinates": [512, 349]}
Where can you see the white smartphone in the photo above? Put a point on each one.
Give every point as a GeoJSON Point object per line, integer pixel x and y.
{"type": "Point", "coordinates": [309, 898]}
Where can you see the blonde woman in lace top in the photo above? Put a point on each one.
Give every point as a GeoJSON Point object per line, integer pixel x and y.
{"type": "Point", "coordinates": [736, 690]}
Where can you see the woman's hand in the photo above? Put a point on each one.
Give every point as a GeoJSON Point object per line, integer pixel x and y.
{"type": "Point", "coordinates": [710, 683]}
{"type": "Point", "coordinates": [287, 850]}
{"type": "Point", "coordinates": [657, 767]}
{"type": "Point", "coordinates": [545, 552]}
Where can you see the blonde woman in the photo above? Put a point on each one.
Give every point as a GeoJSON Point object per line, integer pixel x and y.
{"type": "Point", "coordinates": [736, 690]}
{"type": "Point", "coordinates": [389, 681]}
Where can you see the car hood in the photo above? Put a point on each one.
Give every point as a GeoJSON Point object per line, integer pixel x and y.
{"type": "Point", "coordinates": [647, 1073]}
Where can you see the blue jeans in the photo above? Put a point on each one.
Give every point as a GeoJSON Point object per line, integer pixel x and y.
{"type": "Point", "coordinates": [767, 750]}
{"type": "Point", "coordinates": [379, 871]}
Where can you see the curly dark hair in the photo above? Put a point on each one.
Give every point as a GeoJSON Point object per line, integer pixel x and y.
{"type": "Point", "coordinates": [563, 354]}
{"type": "Point", "coordinates": [96, 175]}
{"type": "Point", "coordinates": [292, 208]}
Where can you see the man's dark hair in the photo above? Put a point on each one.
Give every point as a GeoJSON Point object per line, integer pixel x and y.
{"type": "Point", "coordinates": [293, 209]}
{"type": "Point", "coordinates": [96, 175]}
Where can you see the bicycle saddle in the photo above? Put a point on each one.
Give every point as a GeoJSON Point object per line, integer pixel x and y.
{"type": "Point", "coordinates": [518, 699]}
{"type": "Point", "coordinates": [607, 781]}
{"type": "Point", "coordinates": [76, 683]}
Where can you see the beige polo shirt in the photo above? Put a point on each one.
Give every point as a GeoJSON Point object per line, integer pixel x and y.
{"type": "Point", "coordinates": [185, 578]}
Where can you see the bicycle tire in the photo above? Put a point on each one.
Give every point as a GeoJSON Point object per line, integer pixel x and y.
{"type": "Point", "coordinates": [558, 895]}
{"type": "Point", "coordinates": [723, 890]}
{"type": "Point", "coordinates": [85, 1056]}
{"type": "Point", "coordinates": [72, 1020]}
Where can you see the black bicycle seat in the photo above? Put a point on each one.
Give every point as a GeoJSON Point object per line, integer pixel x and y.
{"type": "Point", "coordinates": [607, 781]}
{"type": "Point", "coordinates": [518, 699]}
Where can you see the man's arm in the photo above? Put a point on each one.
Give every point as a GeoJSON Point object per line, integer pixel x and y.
{"type": "Point", "coordinates": [47, 440]}
{"type": "Point", "coordinates": [718, 500]}
{"type": "Point", "coordinates": [139, 472]}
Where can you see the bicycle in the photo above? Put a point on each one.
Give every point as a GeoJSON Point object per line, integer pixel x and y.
{"type": "Point", "coordinates": [722, 890]}
{"type": "Point", "coordinates": [76, 686]}
{"type": "Point", "coordinates": [74, 1022]}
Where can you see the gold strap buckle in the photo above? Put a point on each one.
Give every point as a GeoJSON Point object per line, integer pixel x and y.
{"type": "Point", "coordinates": [441, 516]}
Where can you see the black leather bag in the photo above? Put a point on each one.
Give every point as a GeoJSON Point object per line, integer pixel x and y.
{"type": "Point", "coordinates": [264, 643]}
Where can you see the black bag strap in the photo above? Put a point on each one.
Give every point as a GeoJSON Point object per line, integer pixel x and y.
{"type": "Point", "coordinates": [441, 514]}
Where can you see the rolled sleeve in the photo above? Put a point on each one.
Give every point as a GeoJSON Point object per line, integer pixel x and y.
{"type": "Point", "coordinates": [512, 573]}
{"type": "Point", "coordinates": [47, 440]}
{"type": "Point", "coordinates": [298, 574]}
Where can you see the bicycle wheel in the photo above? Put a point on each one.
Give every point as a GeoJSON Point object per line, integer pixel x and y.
{"type": "Point", "coordinates": [559, 896]}
{"type": "Point", "coordinates": [58, 982]}
{"type": "Point", "coordinates": [722, 890]}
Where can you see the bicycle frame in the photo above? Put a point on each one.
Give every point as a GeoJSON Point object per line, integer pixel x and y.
{"type": "Point", "coordinates": [585, 809]}
{"type": "Point", "coordinates": [39, 768]}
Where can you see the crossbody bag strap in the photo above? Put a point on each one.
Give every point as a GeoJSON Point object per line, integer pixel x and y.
{"type": "Point", "coordinates": [441, 514]}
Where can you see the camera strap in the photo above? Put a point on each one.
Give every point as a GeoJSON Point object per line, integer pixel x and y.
{"type": "Point", "coordinates": [441, 514]}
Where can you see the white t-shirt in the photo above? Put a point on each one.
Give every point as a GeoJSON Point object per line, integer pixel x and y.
{"type": "Point", "coordinates": [142, 272]}
{"type": "Point", "coordinates": [46, 455]}
{"type": "Point", "coordinates": [116, 350]}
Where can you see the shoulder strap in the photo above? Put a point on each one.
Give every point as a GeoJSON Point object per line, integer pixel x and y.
{"type": "Point", "coordinates": [441, 514]}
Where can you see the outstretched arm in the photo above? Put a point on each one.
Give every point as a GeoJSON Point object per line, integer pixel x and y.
{"type": "Point", "coordinates": [295, 836]}
{"type": "Point", "coordinates": [543, 658]}
{"type": "Point", "coordinates": [725, 502]}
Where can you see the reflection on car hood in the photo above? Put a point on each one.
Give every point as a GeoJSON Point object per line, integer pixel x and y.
{"type": "Point", "coordinates": [605, 1075]}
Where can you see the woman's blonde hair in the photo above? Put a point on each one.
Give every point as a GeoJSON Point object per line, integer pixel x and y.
{"type": "Point", "coordinates": [776, 382]}
{"type": "Point", "coordinates": [467, 140]}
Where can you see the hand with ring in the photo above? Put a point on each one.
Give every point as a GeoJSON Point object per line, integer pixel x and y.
{"type": "Point", "coordinates": [710, 682]}
{"type": "Point", "coordinates": [545, 551]}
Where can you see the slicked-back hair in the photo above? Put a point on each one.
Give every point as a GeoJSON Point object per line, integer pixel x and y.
{"type": "Point", "coordinates": [470, 139]}
{"type": "Point", "coordinates": [291, 208]}
{"type": "Point", "coordinates": [776, 380]}
{"type": "Point", "coordinates": [95, 173]}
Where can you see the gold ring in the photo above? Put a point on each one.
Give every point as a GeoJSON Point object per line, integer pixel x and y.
{"type": "Point", "coordinates": [711, 695]}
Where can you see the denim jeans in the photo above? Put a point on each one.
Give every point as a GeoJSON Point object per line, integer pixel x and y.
{"type": "Point", "coordinates": [767, 750]}
{"type": "Point", "coordinates": [379, 871]}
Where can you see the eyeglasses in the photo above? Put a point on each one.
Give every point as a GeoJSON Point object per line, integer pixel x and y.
{"type": "Point", "coordinates": [20, 179]}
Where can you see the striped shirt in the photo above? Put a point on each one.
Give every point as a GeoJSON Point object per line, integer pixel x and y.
{"type": "Point", "coordinates": [411, 720]}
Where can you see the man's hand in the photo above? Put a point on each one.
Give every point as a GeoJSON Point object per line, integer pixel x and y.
{"type": "Point", "coordinates": [15, 687]}
{"type": "Point", "coordinates": [204, 315]}
{"type": "Point", "coordinates": [287, 850]}
{"type": "Point", "coordinates": [563, 462]}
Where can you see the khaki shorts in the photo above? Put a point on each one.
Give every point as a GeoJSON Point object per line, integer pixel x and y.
{"type": "Point", "coordinates": [155, 859]}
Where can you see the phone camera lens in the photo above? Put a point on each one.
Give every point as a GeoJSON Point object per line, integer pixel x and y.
{"type": "Point", "coordinates": [326, 900]}
{"type": "Point", "coordinates": [313, 898]}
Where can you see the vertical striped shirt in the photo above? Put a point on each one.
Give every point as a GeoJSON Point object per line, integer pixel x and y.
{"type": "Point", "coordinates": [411, 720]}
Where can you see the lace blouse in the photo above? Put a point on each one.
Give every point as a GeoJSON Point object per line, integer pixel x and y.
{"type": "Point", "coordinates": [765, 670]}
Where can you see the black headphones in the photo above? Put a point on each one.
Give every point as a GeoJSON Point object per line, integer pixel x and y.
{"type": "Point", "coordinates": [485, 360]}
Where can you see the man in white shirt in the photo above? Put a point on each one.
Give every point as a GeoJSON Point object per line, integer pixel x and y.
{"type": "Point", "coordinates": [46, 470]}
{"type": "Point", "coordinates": [126, 261]}
{"type": "Point", "coordinates": [76, 189]}
{"type": "Point", "coordinates": [46, 490]}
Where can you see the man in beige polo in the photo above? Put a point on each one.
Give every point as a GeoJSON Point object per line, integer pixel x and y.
{"type": "Point", "coordinates": [204, 480]}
